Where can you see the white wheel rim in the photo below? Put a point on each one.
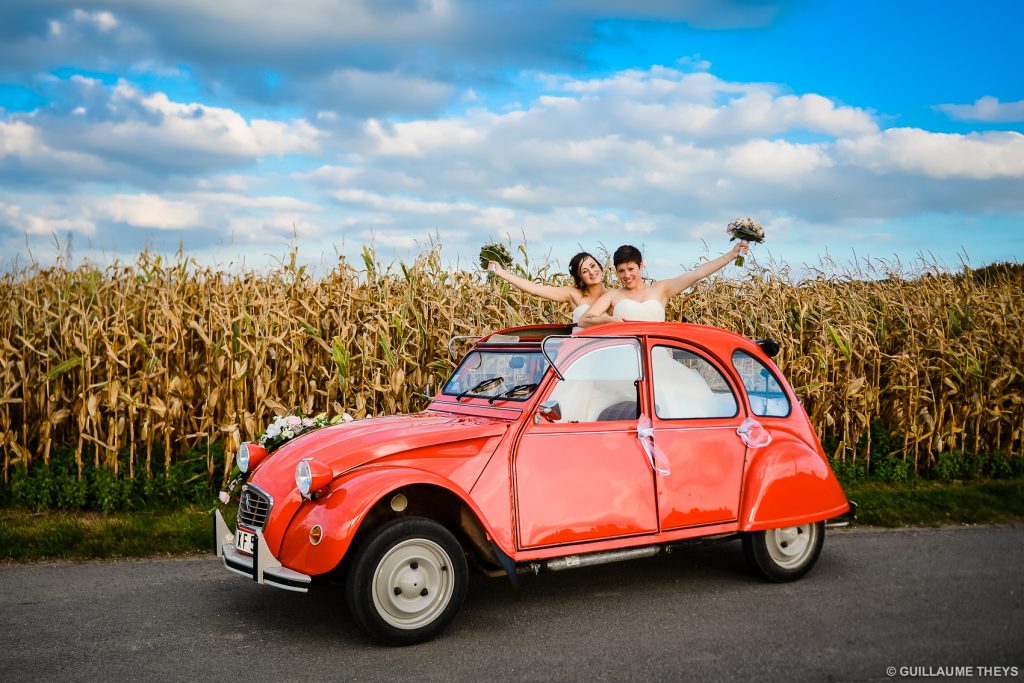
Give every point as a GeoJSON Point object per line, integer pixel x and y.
{"type": "Point", "coordinates": [413, 584]}
{"type": "Point", "coordinates": [790, 546]}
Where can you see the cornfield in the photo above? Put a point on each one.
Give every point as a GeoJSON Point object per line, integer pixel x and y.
{"type": "Point", "coordinates": [174, 354]}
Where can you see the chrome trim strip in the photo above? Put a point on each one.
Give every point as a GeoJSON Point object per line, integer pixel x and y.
{"type": "Point", "coordinates": [278, 577]}
{"type": "Point", "coordinates": [568, 432]}
{"type": "Point", "coordinates": [626, 431]}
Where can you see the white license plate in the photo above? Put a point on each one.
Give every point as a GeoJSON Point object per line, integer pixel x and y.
{"type": "Point", "coordinates": [245, 541]}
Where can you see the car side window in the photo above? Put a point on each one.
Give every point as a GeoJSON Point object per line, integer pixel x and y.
{"type": "Point", "coordinates": [600, 385]}
{"type": "Point", "coordinates": [767, 398]}
{"type": "Point", "coordinates": [688, 386]}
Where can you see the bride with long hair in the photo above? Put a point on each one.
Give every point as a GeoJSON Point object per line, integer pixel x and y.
{"type": "Point", "coordinates": [588, 284]}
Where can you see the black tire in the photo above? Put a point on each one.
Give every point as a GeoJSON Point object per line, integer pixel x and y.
{"type": "Point", "coordinates": [424, 563]}
{"type": "Point", "coordinates": [784, 554]}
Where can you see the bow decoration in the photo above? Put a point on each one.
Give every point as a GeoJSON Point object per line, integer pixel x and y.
{"type": "Point", "coordinates": [645, 432]}
{"type": "Point", "coordinates": [753, 433]}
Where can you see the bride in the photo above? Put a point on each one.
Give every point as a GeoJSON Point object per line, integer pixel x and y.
{"type": "Point", "coordinates": [587, 277]}
{"type": "Point", "coordinates": [637, 300]}
{"type": "Point", "coordinates": [679, 391]}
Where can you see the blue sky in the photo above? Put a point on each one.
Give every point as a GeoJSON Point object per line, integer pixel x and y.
{"type": "Point", "coordinates": [867, 130]}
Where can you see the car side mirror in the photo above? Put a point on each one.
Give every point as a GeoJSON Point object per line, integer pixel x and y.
{"type": "Point", "coordinates": [550, 411]}
{"type": "Point", "coordinates": [770, 347]}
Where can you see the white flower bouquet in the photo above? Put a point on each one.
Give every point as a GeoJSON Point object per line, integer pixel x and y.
{"type": "Point", "coordinates": [287, 427]}
{"type": "Point", "coordinates": [745, 229]}
{"type": "Point", "coordinates": [281, 429]}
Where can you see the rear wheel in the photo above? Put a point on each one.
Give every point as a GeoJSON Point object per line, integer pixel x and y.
{"type": "Point", "coordinates": [407, 581]}
{"type": "Point", "coordinates": [784, 554]}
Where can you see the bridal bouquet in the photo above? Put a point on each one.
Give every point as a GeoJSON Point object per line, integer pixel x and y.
{"type": "Point", "coordinates": [495, 252]}
{"type": "Point", "coordinates": [745, 229]}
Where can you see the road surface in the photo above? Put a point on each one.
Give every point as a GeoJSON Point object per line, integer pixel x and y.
{"type": "Point", "coordinates": [915, 602]}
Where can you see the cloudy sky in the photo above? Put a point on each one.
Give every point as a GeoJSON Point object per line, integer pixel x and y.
{"type": "Point", "coordinates": [235, 128]}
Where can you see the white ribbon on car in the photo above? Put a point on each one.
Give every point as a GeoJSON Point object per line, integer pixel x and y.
{"type": "Point", "coordinates": [753, 433]}
{"type": "Point", "coordinates": [645, 432]}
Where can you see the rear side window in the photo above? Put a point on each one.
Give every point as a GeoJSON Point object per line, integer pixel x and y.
{"type": "Point", "coordinates": [767, 398]}
{"type": "Point", "coordinates": [688, 386]}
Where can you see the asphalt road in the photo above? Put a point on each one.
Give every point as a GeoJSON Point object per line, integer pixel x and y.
{"type": "Point", "coordinates": [917, 600]}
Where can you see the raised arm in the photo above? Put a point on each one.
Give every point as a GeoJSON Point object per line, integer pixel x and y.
{"type": "Point", "coordinates": [599, 312]}
{"type": "Point", "coordinates": [672, 286]}
{"type": "Point", "coordinates": [550, 292]}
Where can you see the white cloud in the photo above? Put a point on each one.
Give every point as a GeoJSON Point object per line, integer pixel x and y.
{"type": "Point", "coordinates": [232, 201]}
{"type": "Point", "coordinates": [25, 153]}
{"type": "Point", "coordinates": [661, 156]}
{"type": "Point", "coordinates": [416, 138]}
{"type": "Point", "coordinates": [272, 229]}
{"type": "Point", "coordinates": [390, 239]}
{"type": "Point", "coordinates": [776, 161]}
{"type": "Point", "coordinates": [124, 128]}
{"type": "Point", "coordinates": [979, 156]}
{"type": "Point", "coordinates": [199, 128]}
{"type": "Point", "coordinates": [104, 21]}
{"type": "Point", "coordinates": [45, 223]}
{"type": "Point", "coordinates": [149, 211]}
{"type": "Point", "coordinates": [358, 91]}
{"type": "Point", "coordinates": [388, 203]}
{"type": "Point", "coordinates": [986, 108]}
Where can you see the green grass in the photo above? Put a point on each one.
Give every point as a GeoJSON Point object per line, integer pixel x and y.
{"type": "Point", "coordinates": [924, 503]}
{"type": "Point", "coordinates": [26, 536]}
{"type": "Point", "coordinates": [67, 535]}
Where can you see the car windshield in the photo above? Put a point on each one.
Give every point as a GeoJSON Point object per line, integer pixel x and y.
{"type": "Point", "coordinates": [504, 374]}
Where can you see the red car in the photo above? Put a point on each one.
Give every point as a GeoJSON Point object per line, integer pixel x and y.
{"type": "Point", "coordinates": [545, 450]}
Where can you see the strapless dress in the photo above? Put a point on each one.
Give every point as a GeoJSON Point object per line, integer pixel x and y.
{"type": "Point", "coordinates": [651, 310]}
{"type": "Point", "coordinates": [679, 392]}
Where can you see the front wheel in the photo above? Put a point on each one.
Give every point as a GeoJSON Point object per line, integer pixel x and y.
{"type": "Point", "coordinates": [784, 554]}
{"type": "Point", "coordinates": [407, 581]}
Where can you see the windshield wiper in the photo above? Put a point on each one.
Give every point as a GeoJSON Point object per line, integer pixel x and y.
{"type": "Point", "coordinates": [486, 384]}
{"type": "Point", "coordinates": [517, 389]}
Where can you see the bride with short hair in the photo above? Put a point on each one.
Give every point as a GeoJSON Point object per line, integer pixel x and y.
{"type": "Point", "coordinates": [679, 391]}
{"type": "Point", "coordinates": [637, 300]}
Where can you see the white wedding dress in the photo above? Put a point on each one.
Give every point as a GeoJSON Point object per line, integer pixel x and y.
{"type": "Point", "coordinates": [651, 311]}
{"type": "Point", "coordinates": [679, 392]}
{"type": "Point", "coordinates": [577, 315]}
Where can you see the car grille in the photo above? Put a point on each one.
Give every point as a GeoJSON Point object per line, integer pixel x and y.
{"type": "Point", "coordinates": [253, 507]}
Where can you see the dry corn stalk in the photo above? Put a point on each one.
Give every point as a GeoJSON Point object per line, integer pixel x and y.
{"type": "Point", "coordinates": [171, 352]}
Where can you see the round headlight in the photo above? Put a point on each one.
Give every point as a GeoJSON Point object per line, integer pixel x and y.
{"type": "Point", "coordinates": [249, 455]}
{"type": "Point", "coordinates": [303, 477]}
{"type": "Point", "coordinates": [312, 477]}
{"type": "Point", "coordinates": [242, 458]}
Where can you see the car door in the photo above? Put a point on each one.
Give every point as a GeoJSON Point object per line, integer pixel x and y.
{"type": "Point", "coordinates": [584, 475]}
{"type": "Point", "coordinates": [696, 411]}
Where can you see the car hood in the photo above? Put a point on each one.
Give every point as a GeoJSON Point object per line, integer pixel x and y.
{"type": "Point", "coordinates": [348, 445]}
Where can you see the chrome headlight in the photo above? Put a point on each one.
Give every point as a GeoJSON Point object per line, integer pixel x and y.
{"type": "Point", "coordinates": [303, 477]}
{"type": "Point", "coordinates": [249, 455]}
{"type": "Point", "coordinates": [312, 477]}
{"type": "Point", "coordinates": [242, 458]}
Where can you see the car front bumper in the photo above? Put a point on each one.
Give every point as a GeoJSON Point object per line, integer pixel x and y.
{"type": "Point", "coordinates": [845, 518]}
{"type": "Point", "coordinates": [261, 566]}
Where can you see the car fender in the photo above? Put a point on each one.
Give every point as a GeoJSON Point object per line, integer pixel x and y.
{"type": "Point", "coordinates": [341, 513]}
{"type": "Point", "coordinates": [788, 483]}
